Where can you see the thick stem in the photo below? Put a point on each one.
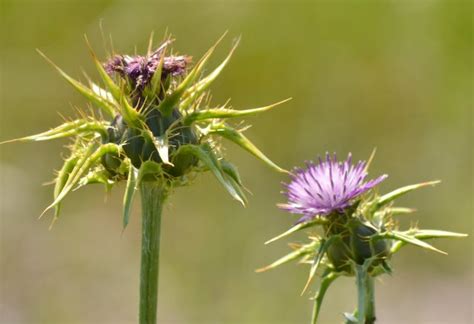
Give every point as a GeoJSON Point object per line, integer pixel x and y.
{"type": "Point", "coordinates": [153, 195]}
{"type": "Point", "coordinates": [365, 296]}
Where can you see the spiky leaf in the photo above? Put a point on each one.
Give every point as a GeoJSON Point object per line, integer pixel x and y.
{"type": "Point", "coordinates": [385, 199]}
{"type": "Point", "coordinates": [238, 138]}
{"type": "Point", "coordinates": [326, 281]}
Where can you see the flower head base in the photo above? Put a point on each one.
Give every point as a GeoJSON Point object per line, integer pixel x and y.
{"type": "Point", "coordinates": [327, 187]}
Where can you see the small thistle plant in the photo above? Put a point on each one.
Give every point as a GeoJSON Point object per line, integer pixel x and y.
{"type": "Point", "coordinates": [359, 232]}
{"type": "Point", "coordinates": [155, 130]}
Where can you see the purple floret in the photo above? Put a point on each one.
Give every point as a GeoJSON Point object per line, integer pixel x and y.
{"type": "Point", "coordinates": [326, 187]}
{"type": "Point", "coordinates": [140, 69]}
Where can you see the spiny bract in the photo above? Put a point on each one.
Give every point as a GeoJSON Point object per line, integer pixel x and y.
{"type": "Point", "coordinates": [155, 123]}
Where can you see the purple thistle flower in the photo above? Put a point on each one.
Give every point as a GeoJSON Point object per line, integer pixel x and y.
{"type": "Point", "coordinates": [326, 187]}
{"type": "Point", "coordinates": [140, 69]}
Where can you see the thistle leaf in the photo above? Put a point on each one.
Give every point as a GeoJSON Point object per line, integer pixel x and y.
{"type": "Point", "coordinates": [106, 106]}
{"type": "Point", "coordinates": [207, 157]}
{"type": "Point", "coordinates": [239, 139]}
{"type": "Point", "coordinates": [172, 100]}
{"type": "Point", "coordinates": [130, 115]}
{"type": "Point", "coordinates": [130, 190]}
{"type": "Point", "coordinates": [400, 210]}
{"type": "Point", "coordinates": [298, 227]}
{"type": "Point", "coordinates": [67, 129]}
{"type": "Point", "coordinates": [231, 171]}
{"type": "Point", "coordinates": [385, 199]}
{"type": "Point", "coordinates": [86, 160]}
{"type": "Point", "coordinates": [104, 94]}
{"type": "Point", "coordinates": [62, 178]}
{"type": "Point", "coordinates": [317, 260]}
{"type": "Point", "coordinates": [236, 187]}
{"type": "Point", "coordinates": [233, 177]}
{"type": "Point", "coordinates": [305, 249]}
{"type": "Point", "coordinates": [425, 234]}
{"type": "Point", "coordinates": [222, 113]}
{"type": "Point", "coordinates": [95, 176]}
{"type": "Point", "coordinates": [109, 83]}
{"type": "Point", "coordinates": [409, 239]}
{"type": "Point", "coordinates": [155, 82]}
{"type": "Point", "coordinates": [326, 281]}
{"type": "Point", "coordinates": [196, 90]}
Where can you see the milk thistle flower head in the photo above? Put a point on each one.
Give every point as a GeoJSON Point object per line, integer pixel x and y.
{"type": "Point", "coordinates": [359, 231]}
{"type": "Point", "coordinates": [155, 121]}
{"type": "Point", "coordinates": [327, 187]}
{"type": "Point", "coordinates": [155, 129]}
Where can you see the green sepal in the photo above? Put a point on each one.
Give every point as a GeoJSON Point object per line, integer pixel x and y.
{"type": "Point", "coordinates": [391, 196]}
{"type": "Point", "coordinates": [101, 92]}
{"type": "Point", "coordinates": [130, 190]}
{"type": "Point", "coordinates": [395, 211]}
{"type": "Point", "coordinates": [106, 106]}
{"type": "Point", "coordinates": [406, 238]}
{"type": "Point", "coordinates": [238, 138]}
{"type": "Point", "coordinates": [100, 176]}
{"type": "Point", "coordinates": [237, 187]}
{"type": "Point", "coordinates": [300, 252]}
{"type": "Point", "coordinates": [62, 178]}
{"type": "Point", "coordinates": [153, 90]}
{"type": "Point", "coordinates": [130, 115]}
{"type": "Point", "coordinates": [108, 81]}
{"type": "Point", "coordinates": [85, 162]}
{"type": "Point", "coordinates": [424, 234]}
{"type": "Point", "coordinates": [172, 100]}
{"type": "Point", "coordinates": [231, 171]}
{"type": "Point", "coordinates": [233, 177]}
{"type": "Point", "coordinates": [299, 227]}
{"type": "Point", "coordinates": [205, 154]}
{"type": "Point", "coordinates": [76, 127]}
{"type": "Point", "coordinates": [160, 143]}
{"type": "Point", "coordinates": [327, 279]}
{"type": "Point", "coordinates": [150, 169]}
{"type": "Point", "coordinates": [202, 85]}
{"type": "Point", "coordinates": [222, 113]}
{"type": "Point", "coordinates": [323, 247]}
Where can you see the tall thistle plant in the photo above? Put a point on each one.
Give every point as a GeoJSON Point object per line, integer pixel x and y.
{"type": "Point", "coordinates": [359, 233]}
{"type": "Point", "coordinates": [155, 130]}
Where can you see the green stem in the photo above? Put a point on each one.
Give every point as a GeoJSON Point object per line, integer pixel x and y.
{"type": "Point", "coordinates": [365, 295]}
{"type": "Point", "coordinates": [153, 195]}
{"type": "Point", "coordinates": [361, 293]}
{"type": "Point", "coordinates": [370, 311]}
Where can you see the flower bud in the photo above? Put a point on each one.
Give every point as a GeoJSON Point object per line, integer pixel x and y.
{"type": "Point", "coordinates": [139, 148]}
{"type": "Point", "coordinates": [162, 131]}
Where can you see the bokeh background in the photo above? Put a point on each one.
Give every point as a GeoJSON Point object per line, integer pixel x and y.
{"type": "Point", "coordinates": [396, 75]}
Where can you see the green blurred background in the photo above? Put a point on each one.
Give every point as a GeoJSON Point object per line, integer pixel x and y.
{"type": "Point", "coordinates": [396, 75]}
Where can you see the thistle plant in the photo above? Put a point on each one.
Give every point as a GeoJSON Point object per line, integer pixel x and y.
{"type": "Point", "coordinates": [359, 232]}
{"type": "Point", "coordinates": [155, 130]}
